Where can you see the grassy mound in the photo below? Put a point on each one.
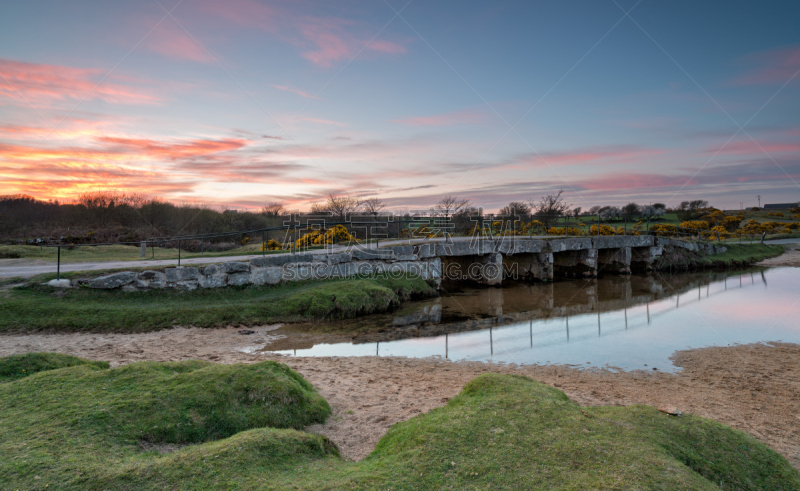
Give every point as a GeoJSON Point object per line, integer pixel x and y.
{"type": "Point", "coordinates": [19, 366]}
{"type": "Point", "coordinates": [39, 307]}
{"type": "Point", "coordinates": [501, 432]}
{"type": "Point", "coordinates": [737, 255]}
{"type": "Point", "coordinates": [80, 423]}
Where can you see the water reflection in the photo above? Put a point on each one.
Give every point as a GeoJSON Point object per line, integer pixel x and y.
{"type": "Point", "coordinates": [622, 321]}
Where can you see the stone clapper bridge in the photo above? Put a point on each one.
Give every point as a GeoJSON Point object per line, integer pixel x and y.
{"type": "Point", "coordinates": [485, 261]}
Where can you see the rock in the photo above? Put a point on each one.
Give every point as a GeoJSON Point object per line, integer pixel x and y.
{"type": "Point", "coordinates": [212, 269]}
{"type": "Point", "coordinates": [369, 254]}
{"type": "Point", "coordinates": [266, 276]}
{"type": "Point", "coordinates": [115, 280]}
{"type": "Point", "coordinates": [246, 331]}
{"type": "Point", "coordinates": [238, 279]}
{"type": "Point", "coordinates": [236, 267]}
{"type": "Point", "coordinates": [181, 274]}
{"type": "Point", "coordinates": [280, 260]}
{"type": "Point", "coordinates": [149, 275]}
{"type": "Point", "coordinates": [212, 280]}
{"type": "Point", "coordinates": [60, 283]}
{"type": "Point", "coordinates": [672, 410]}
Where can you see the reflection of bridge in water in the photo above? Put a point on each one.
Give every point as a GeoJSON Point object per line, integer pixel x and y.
{"type": "Point", "coordinates": [463, 311]}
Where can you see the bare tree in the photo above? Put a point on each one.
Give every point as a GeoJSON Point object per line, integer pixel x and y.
{"type": "Point", "coordinates": [273, 210]}
{"type": "Point", "coordinates": [515, 208]}
{"type": "Point", "coordinates": [340, 206]}
{"type": "Point", "coordinates": [550, 207]}
{"type": "Point", "coordinates": [631, 210]}
{"type": "Point", "coordinates": [449, 205]}
{"type": "Point", "coordinates": [373, 206]}
{"type": "Point", "coordinates": [576, 212]}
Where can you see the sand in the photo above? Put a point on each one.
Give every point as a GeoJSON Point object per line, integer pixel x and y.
{"type": "Point", "coordinates": [790, 257]}
{"type": "Point", "coordinates": [754, 388]}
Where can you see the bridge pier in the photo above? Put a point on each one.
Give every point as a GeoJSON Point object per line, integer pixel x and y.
{"type": "Point", "coordinates": [615, 260]}
{"type": "Point", "coordinates": [575, 263]}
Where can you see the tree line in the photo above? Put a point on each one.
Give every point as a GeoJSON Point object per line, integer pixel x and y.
{"type": "Point", "coordinates": [129, 217]}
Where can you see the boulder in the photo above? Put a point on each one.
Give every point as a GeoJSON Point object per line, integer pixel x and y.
{"type": "Point", "coordinates": [238, 279]}
{"type": "Point", "coordinates": [212, 280]}
{"type": "Point", "coordinates": [115, 280]}
{"type": "Point", "coordinates": [181, 273]}
{"type": "Point", "coordinates": [236, 267]}
{"type": "Point", "coordinates": [280, 260]}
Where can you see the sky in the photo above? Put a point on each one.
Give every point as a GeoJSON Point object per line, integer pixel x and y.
{"type": "Point", "coordinates": [245, 102]}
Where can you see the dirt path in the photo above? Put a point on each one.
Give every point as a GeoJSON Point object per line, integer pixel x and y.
{"type": "Point", "coordinates": [791, 257]}
{"type": "Point", "coordinates": [754, 388]}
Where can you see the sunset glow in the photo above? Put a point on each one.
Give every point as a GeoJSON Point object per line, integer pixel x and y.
{"type": "Point", "coordinates": [248, 102]}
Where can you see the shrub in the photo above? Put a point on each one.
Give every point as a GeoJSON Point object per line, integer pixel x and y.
{"type": "Point", "coordinates": [601, 230]}
{"type": "Point", "coordinates": [664, 230]}
{"type": "Point", "coordinates": [694, 226]}
{"type": "Point", "coordinates": [271, 245]}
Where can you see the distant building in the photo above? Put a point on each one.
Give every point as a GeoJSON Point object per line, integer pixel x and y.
{"type": "Point", "coordinates": [781, 206]}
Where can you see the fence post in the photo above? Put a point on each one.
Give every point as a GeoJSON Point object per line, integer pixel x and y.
{"type": "Point", "coordinates": [566, 226]}
{"type": "Point", "coordinates": [179, 252]}
{"type": "Point", "coordinates": [58, 264]}
{"type": "Point", "coordinates": [263, 244]}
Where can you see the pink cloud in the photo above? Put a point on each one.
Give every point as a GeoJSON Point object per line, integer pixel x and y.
{"type": "Point", "coordinates": [294, 91]}
{"type": "Point", "coordinates": [174, 43]}
{"type": "Point", "coordinates": [41, 84]}
{"type": "Point", "coordinates": [322, 41]}
{"type": "Point", "coordinates": [173, 150]}
{"type": "Point", "coordinates": [466, 116]}
{"type": "Point", "coordinates": [593, 155]}
{"type": "Point", "coordinates": [750, 147]}
{"type": "Point", "coordinates": [774, 67]}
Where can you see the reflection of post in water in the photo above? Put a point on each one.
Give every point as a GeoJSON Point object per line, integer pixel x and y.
{"type": "Point", "coordinates": [698, 292]}
{"type": "Point", "coordinates": [740, 281]}
{"type": "Point", "coordinates": [531, 333]}
{"type": "Point", "coordinates": [446, 347]}
{"type": "Point", "coordinates": [764, 279]}
{"type": "Point", "coordinates": [648, 313]}
{"type": "Point", "coordinates": [626, 318]}
{"type": "Point", "coordinates": [726, 283]}
{"type": "Point", "coordinates": [568, 329]}
{"type": "Point", "coordinates": [598, 323]}
{"type": "Point", "coordinates": [491, 343]}
{"type": "Point", "coordinates": [677, 300]}
{"type": "Point", "coordinates": [752, 280]}
{"type": "Point", "coordinates": [377, 345]}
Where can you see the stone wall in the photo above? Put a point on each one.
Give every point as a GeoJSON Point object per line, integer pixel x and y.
{"type": "Point", "coordinates": [483, 261]}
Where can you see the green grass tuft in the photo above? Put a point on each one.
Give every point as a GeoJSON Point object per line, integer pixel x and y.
{"type": "Point", "coordinates": [36, 307]}
{"type": "Point", "coordinates": [77, 428]}
{"type": "Point", "coordinates": [19, 366]}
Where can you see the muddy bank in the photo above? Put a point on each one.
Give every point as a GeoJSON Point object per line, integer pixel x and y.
{"type": "Point", "coordinates": [754, 388]}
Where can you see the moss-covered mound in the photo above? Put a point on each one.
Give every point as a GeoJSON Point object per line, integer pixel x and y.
{"type": "Point", "coordinates": [19, 366]}
{"type": "Point", "coordinates": [77, 428]}
{"type": "Point", "coordinates": [36, 307]}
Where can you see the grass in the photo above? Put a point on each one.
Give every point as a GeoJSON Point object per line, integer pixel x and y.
{"type": "Point", "coordinates": [119, 253]}
{"type": "Point", "coordinates": [74, 427]}
{"type": "Point", "coordinates": [82, 427]}
{"type": "Point", "coordinates": [19, 366]}
{"type": "Point", "coordinates": [36, 307]}
{"type": "Point", "coordinates": [743, 254]}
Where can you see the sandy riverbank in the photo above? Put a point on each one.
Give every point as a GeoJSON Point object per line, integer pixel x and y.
{"type": "Point", "coordinates": [754, 388]}
{"type": "Point", "coordinates": [790, 257]}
